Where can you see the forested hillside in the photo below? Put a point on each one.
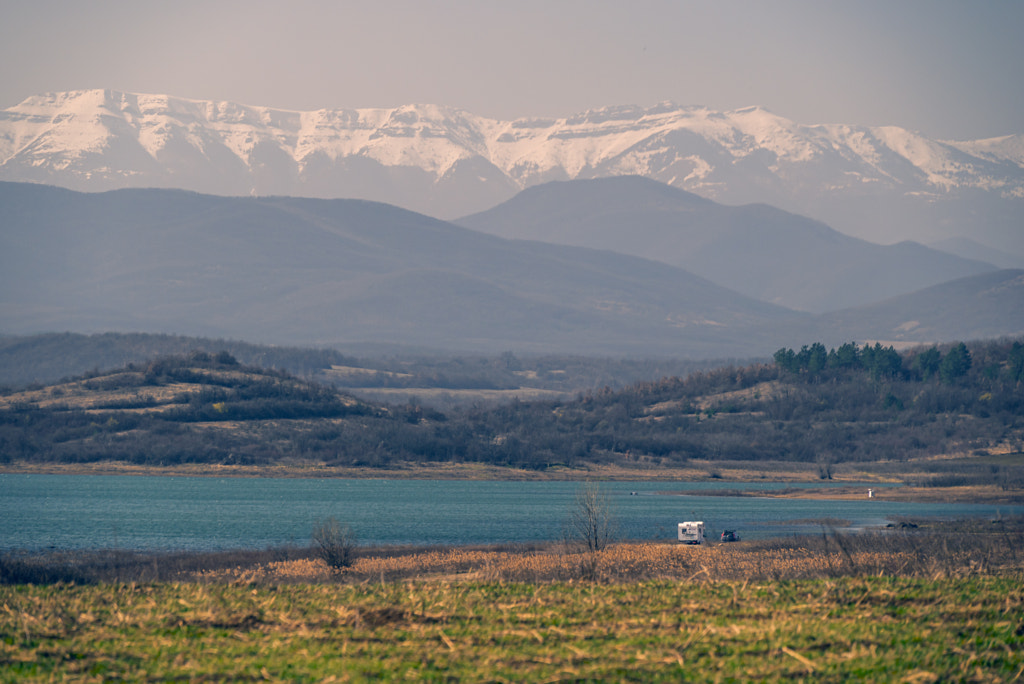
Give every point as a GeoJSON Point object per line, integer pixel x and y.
{"type": "Point", "coordinates": [819, 406]}
{"type": "Point", "coordinates": [825, 407]}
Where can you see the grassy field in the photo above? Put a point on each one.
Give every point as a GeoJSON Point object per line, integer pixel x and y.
{"type": "Point", "coordinates": [863, 628]}
{"type": "Point", "coordinates": [925, 604]}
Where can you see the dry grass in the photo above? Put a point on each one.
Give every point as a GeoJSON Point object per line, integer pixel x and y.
{"type": "Point", "coordinates": [841, 629]}
{"type": "Point", "coordinates": [448, 396]}
{"type": "Point", "coordinates": [941, 603]}
{"type": "Point", "coordinates": [930, 552]}
{"type": "Point", "coordinates": [82, 395]}
{"type": "Point", "coordinates": [119, 390]}
{"type": "Point", "coordinates": [762, 390]}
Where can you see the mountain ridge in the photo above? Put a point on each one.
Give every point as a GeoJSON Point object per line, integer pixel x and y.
{"type": "Point", "coordinates": [311, 272]}
{"type": "Point", "coordinates": [757, 250]}
{"type": "Point", "coordinates": [323, 272]}
{"type": "Point", "coordinates": [875, 182]}
{"type": "Point", "coordinates": [987, 305]}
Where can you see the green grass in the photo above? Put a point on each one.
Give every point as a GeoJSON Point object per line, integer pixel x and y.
{"type": "Point", "coordinates": [863, 628]}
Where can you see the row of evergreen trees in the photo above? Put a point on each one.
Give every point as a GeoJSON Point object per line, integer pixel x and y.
{"type": "Point", "coordinates": [886, 362]}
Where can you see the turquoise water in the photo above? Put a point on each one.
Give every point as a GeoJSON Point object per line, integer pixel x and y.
{"type": "Point", "coordinates": [203, 513]}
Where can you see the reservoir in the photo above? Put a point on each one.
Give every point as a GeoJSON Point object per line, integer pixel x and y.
{"type": "Point", "coordinates": [208, 513]}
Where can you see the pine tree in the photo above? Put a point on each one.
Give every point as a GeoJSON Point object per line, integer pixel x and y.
{"type": "Point", "coordinates": [955, 364]}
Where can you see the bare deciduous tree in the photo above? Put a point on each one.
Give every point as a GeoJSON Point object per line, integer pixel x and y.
{"type": "Point", "coordinates": [590, 521]}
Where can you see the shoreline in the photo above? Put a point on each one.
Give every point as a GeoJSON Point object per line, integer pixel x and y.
{"type": "Point", "coordinates": [980, 494]}
{"type": "Point", "coordinates": [422, 471]}
{"type": "Point", "coordinates": [834, 490]}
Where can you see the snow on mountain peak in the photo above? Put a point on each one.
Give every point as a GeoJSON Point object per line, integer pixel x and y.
{"type": "Point", "coordinates": [97, 139]}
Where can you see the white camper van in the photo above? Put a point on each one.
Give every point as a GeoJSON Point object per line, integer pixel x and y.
{"type": "Point", "coordinates": [691, 532]}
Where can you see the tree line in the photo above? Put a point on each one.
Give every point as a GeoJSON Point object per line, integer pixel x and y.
{"type": "Point", "coordinates": [886, 362]}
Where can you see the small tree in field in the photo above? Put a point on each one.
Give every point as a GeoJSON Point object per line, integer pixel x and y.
{"type": "Point", "coordinates": [335, 543]}
{"type": "Point", "coordinates": [590, 522]}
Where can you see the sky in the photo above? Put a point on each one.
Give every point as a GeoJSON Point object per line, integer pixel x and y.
{"type": "Point", "coordinates": [950, 70]}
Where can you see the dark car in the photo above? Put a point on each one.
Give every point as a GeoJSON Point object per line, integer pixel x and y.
{"type": "Point", "coordinates": [730, 536]}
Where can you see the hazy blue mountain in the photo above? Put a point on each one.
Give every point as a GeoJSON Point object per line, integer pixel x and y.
{"type": "Point", "coordinates": [320, 272]}
{"type": "Point", "coordinates": [971, 249]}
{"type": "Point", "coordinates": [760, 251]}
{"type": "Point", "coordinates": [990, 305]}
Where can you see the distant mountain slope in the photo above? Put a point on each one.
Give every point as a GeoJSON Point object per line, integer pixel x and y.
{"type": "Point", "coordinates": [989, 305]}
{"type": "Point", "coordinates": [971, 249]}
{"type": "Point", "coordinates": [757, 250]}
{"type": "Point", "coordinates": [316, 272]}
{"type": "Point", "coordinates": [885, 184]}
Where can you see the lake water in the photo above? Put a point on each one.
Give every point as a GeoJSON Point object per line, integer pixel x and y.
{"type": "Point", "coordinates": [205, 513]}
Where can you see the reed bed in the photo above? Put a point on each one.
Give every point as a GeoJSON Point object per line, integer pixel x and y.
{"type": "Point", "coordinates": [917, 554]}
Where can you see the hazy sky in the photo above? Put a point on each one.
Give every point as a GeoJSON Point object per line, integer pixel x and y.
{"type": "Point", "coordinates": [951, 70]}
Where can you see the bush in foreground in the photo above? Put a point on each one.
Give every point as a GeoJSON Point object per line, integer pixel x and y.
{"type": "Point", "coordinates": [335, 543]}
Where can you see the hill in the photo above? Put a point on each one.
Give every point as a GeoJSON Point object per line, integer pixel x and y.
{"type": "Point", "coordinates": [955, 412]}
{"type": "Point", "coordinates": [391, 375]}
{"type": "Point", "coordinates": [757, 250]}
{"type": "Point", "coordinates": [976, 307]}
{"type": "Point", "coordinates": [200, 408]}
{"type": "Point", "coordinates": [330, 272]}
{"type": "Point", "coordinates": [51, 357]}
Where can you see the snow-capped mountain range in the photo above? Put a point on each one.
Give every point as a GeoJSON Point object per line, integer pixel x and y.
{"type": "Point", "coordinates": [880, 183]}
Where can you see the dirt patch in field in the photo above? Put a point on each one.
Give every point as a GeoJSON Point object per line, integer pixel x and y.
{"type": "Point", "coordinates": [762, 390]}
